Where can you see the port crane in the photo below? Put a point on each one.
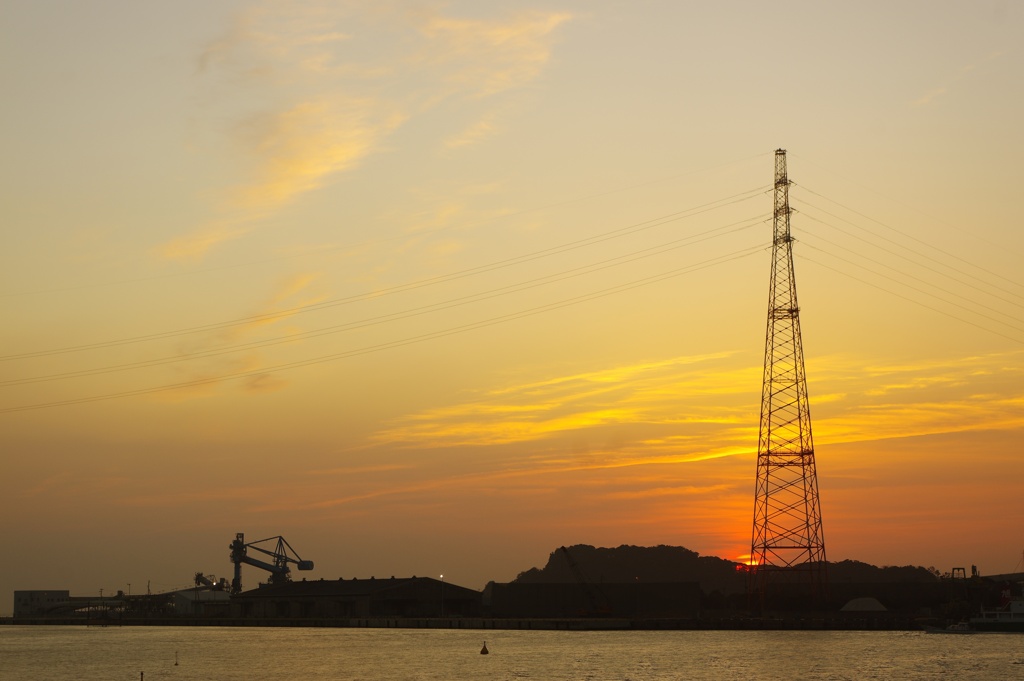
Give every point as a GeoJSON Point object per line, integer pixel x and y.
{"type": "Point", "coordinates": [207, 581]}
{"type": "Point", "coordinates": [281, 555]}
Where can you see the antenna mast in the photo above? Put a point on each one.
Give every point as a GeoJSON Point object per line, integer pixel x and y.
{"type": "Point", "coordinates": [787, 543]}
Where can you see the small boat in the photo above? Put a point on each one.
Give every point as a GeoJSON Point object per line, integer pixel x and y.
{"type": "Point", "coordinates": [958, 628]}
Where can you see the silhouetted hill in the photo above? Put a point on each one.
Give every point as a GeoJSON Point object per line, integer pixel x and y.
{"type": "Point", "coordinates": [864, 573]}
{"type": "Point", "coordinates": [677, 564]}
{"type": "Point", "coordinates": [638, 563]}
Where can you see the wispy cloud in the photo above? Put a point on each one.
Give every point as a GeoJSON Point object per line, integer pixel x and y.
{"type": "Point", "coordinates": [480, 130]}
{"type": "Point", "coordinates": [290, 152]}
{"type": "Point", "coordinates": [524, 478]}
{"type": "Point", "coordinates": [297, 149]}
{"type": "Point", "coordinates": [660, 413]}
{"type": "Point", "coordinates": [313, 93]}
{"type": "Point", "coordinates": [953, 80]}
{"type": "Point", "coordinates": [930, 96]}
{"type": "Point", "coordinates": [199, 241]}
{"type": "Point", "coordinates": [489, 57]}
{"type": "Point", "coordinates": [290, 297]}
{"type": "Point", "coordinates": [202, 371]}
{"type": "Point", "coordinates": [976, 392]}
{"type": "Point", "coordinates": [662, 393]}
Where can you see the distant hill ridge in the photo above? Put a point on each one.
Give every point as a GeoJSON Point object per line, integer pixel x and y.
{"type": "Point", "coordinates": [662, 563]}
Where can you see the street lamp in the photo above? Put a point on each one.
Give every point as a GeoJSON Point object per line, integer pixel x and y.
{"type": "Point", "coordinates": [442, 595]}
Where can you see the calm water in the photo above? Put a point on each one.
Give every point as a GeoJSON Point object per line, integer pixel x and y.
{"type": "Point", "coordinates": [211, 654]}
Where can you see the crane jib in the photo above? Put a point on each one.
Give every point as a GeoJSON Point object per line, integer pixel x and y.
{"type": "Point", "coordinates": [281, 556]}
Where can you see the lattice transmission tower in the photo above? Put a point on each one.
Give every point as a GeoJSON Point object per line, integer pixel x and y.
{"type": "Point", "coordinates": [787, 543]}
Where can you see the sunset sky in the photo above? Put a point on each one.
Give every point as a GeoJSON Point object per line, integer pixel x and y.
{"type": "Point", "coordinates": [437, 287]}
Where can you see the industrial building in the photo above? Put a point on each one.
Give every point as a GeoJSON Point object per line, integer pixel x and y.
{"type": "Point", "coordinates": [41, 603]}
{"type": "Point", "coordinates": [633, 600]}
{"type": "Point", "coordinates": [61, 605]}
{"type": "Point", "coordinates": [354, 598]}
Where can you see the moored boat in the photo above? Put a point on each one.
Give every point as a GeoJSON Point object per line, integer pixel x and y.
{"type": "Point", "coordinates": [1009, 618]}
{"type": "Point", "coordinates": [958, 628]}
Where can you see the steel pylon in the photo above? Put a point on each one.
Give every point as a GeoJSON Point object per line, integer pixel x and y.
{"type": "Point", "coordinates": [787, 543]}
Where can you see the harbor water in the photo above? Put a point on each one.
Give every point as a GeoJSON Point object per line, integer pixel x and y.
{"type": "Point", "coordinates": [55, 653]}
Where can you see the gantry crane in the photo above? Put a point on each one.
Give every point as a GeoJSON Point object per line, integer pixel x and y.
{"type": "Point", "coordinates": [282, 555]}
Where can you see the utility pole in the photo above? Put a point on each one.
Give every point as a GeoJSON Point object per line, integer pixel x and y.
{"type": "Point", "coordinates": [787, 543]}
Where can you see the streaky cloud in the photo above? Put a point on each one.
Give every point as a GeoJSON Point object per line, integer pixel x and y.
{"type": "Point", "coordinates": [660, 392]}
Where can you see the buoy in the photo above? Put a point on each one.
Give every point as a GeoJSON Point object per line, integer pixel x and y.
{"type": "Point", "coordinates": [175, 658]}
{"type": "Point", "coordinates": [484, 651]}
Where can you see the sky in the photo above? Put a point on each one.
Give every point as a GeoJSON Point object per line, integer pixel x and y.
{"type": "Point", "coordinates": [437, 287]}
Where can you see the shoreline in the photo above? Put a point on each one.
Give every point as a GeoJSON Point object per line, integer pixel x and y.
{"type": "Point", "coordinates": [769, 623]}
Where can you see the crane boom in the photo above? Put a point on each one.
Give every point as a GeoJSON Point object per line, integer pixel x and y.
{"type": "Point", "coordinates": [282, 554]}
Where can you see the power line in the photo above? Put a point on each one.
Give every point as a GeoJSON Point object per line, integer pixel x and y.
{"type": "Point", "coordinates": [918, 255]}
{"type": "Point", "coordinates": [914, 288]}
{"type": "Point", "coordinates": [436, 230]}
{"type": "Point", "coordinates": [911, 276]}
{"type": "Point", "coordinates": [645, 281]}
{"type": "Point", "coordinates": [406, 314]}
{"type": "Point", "coordinates": [401, 288]}
{"type": "Point", "coordinates": [919, 241]}
{"type": "Point", "coordinates": [874, 190]}
{"type": "Point", "coordinates": [911, 300]}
